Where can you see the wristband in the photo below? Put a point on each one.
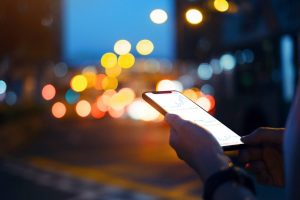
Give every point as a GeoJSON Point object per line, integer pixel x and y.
{"type": "Point", "coordinates": [234, 174]}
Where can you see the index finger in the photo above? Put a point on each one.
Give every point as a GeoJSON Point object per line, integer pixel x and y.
{"type": "Point", "coordinates": [175, 121]}
{"type": "Point", "coordinates": [264, 135]}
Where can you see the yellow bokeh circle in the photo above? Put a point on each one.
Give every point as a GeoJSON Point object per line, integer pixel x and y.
{"type": "Point", "coordinates": [145, 47]}
{"type": "Point", "coordinates": [79, 83]}
{"type": "Point", "coordinates": [109, 83]}
{"type": "Point", "coordinates": [221, 5]}
{"type": "Point", "coordinates": [109, 60]}
{"type": "Point", "coordinates": [113, 72]}
{"type": "Point", "coordinates": [126, 61]}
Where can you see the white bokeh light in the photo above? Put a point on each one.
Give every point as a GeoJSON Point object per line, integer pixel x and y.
{"type": "Point", "coordinates": [158, 16]}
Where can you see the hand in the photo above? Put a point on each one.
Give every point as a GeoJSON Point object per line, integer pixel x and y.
{"type": "Point", "coordinates": [264, 157]}
{"type": "Point", "coordinates": [196, 146]}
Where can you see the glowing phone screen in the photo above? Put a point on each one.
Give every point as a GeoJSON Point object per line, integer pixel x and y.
{"type": "Point", "coordinates": [177, 103]}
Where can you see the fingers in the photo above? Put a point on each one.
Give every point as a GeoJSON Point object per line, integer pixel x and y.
{"type": "Point", "coordinates": [178, 124]}
{"type": "Point", "coordinates": [174, 121]}
{"type": "Point", "coordinates": [250, 154]}
{"type": "Point", "coordinates": [264, 135]}
{"type": "Point", "coordinates": [260, 171]}
{"type": "Point", "coordinates": [274, 165]}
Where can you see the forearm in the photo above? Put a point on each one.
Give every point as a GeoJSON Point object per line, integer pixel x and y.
{"type": "Point", "coordinates": [232, 190]}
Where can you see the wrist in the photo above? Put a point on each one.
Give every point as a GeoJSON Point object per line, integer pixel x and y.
{"type": "Point", "coordinates": [212, 164]}
{"type": "Point", "coordinates": [224, 181]}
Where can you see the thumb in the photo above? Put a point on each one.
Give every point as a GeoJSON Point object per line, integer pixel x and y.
{"type": "Point", "coordinates": [264, 135]}
{"type": "Point", "coordinates": [174, 121]}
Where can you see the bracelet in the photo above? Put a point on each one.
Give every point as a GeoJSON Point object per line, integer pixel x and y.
{"type": "Point", "coordinates": [234, 174]}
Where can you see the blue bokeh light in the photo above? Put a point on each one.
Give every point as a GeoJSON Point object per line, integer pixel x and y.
{"type": "Point", "coordinates": [3, 87]}
{"type": "Point", "coordinates": [72, 96]}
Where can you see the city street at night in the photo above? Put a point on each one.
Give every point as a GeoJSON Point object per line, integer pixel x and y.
{"type": "Point", "coordinates": [149, 100]}
{"type": "Point", "coordinates": [96, 160]}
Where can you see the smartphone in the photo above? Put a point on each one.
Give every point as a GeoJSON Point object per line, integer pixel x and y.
{"type": "Point", "coordinates": [175, 102]}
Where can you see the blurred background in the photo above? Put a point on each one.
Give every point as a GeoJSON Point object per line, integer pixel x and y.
{"type": "Point", "coordinates": [72, 121]}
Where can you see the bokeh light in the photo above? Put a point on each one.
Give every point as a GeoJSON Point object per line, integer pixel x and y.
{"type": "Point", "coordinates": [72, 96]}
{"type": "Point", "coordinates": [3, 87]}
{"type": "Point", "coordinates": [205, 71]}
{"type": "Point", "coordinates": [79, 83]}
{"type": "Point", "coordinates": [127, 95]}
{"type": "Point", "coordinates": [2, 97]}
{"type": "Point", "coordinates": [158, 16]}
{"type": "Point", "coordinates": [116, 113]}
{"type": "Point", "coordinates": [60, 70]}
{"type": "Point", "coordinates": [215, 64]}
{"type": "Point", "coordinates": [145, 47]}
{"type": "Point", "coordinates": [207, 89]}
{"type": "Point", "coordinates": [191, 94]}
{"type": "Point", "coordinates": [122, 47]}
{"type": "Point", "coordinates": [204, 103]}
{"type": "Point", "coordinates": [11, 98]}
{"type": "Point", "coordinates": [101, 105]}
{"type": "Point", "coordinates": [152, 66]}
{"type": "Point", "coordinates": [99, 79]}
{"type": "Point", "coordinates": [212, 101]}
{"type": "Point", "coordinates": [90, 73]}
{"type": "Point", "coordinates": [126, 61]}
{"type": "Point", "coordinates": [109, 60]}
{"type": "Point", "coordinates": [48, 92]}
{"type": "Point", "coordinates": [96, 113]}
{"type": "Point", "coordinates": [140, 110]}
{"type": "Point", "coordinates": [110, 83]}
{"type": "Point", "coordinates": [194, 16]}
{"type": "Point", "coordinates": [228, 62]}
{"type": "Point", "coordinates": [59, 110]}
{"type": "Point", "coordinates": [113, 72]}
{"type": "Point", "coordinates": [221, 5]}
{"type": "Point", "coordinates": [107, 95]}
{"type": "Point", "coordinates": [89, 69]}
{"type": "Point", "coordinates": [169, 85]}
{"type": "Point", "coordinates": [83, 108]}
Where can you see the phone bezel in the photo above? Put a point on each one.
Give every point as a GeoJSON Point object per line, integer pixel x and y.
{"type": "Point", "coordinates": [164, 112]}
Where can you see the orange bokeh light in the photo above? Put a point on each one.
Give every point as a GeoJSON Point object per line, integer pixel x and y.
{"type": "Point", "coordinates": [212, 101]}
{"type": "Point", "coordinates": [100, 104]}
{"type": "Point", "coordinates": [116, 113]}
{"type": "Point", "coordinates": [99, 79]}
{"type": "Point", "coordinates": [83, 108]}
{"type": "Point", "coordinates": [96, 113]}
{"type": "Point", "coordinates": [59, 110]}
{"type": "Point", "coordinates": [48, 92]}
{"type": "Point", "coordinates": [204, 102]}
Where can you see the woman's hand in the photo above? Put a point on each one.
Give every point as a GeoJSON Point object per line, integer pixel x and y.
{"type": "Point", "coordinates": [196, 146]}
{"type": "Point", "coordinates": [264, 155]}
